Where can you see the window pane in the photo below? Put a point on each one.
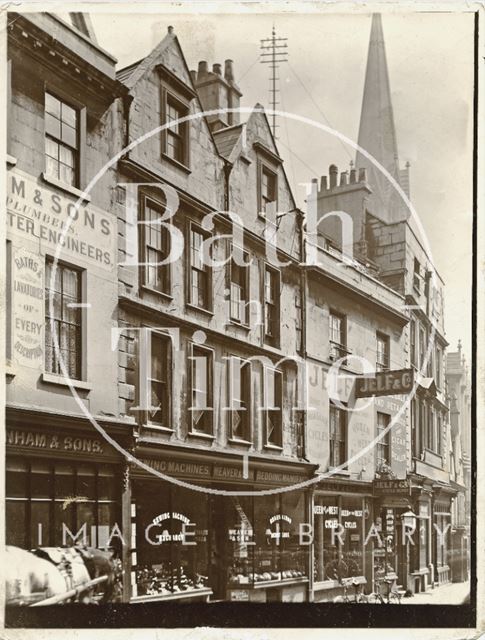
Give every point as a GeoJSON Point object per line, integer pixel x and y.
{"type": "Point", "coordinates": [40, 518]}
{"type": "Point", "coordinates": [41, 480]}
{"type": "Point", "coordinates": [66, 174]}
{"type": "Point", "coordinates": [52, 126]}
{"type": "Point", "coordinates": [86, 482]}
{"type": "Point", "coordinates": [52, 149]}
{"type": "Point", "coordinates": [16, 479]}
{"type": "Point", "coordinates": [66, 156]}
{"type": "Point", "coordinates": [68, 135]}
{"type": "Point", "coordinates": [15, 520]}
{"type": "Point", "coordinates": [52, 105]}
{"type": "Point", "coordinates": [69, 115]}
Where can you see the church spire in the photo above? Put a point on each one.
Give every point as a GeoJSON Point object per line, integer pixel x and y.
{"type": "Point", "coordinates": [377, 134]}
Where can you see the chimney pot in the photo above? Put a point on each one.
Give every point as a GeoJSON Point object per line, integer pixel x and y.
{"type": "Point", "coordinates": [229, 71]}
{"type": "Point", "coordinates": [170, 29]}
{"type": "Point", "coordinates": [202, 69]}
{"type": "Point", "coordinates": [343, 178]}
{"type": "Point", "coordinates": [333, 171]}
{"type": "Point", "coordinates": [353, 175]}
{"type": "Point", "coordinates": [323, 184]}
{"type": "Point", "coordinates": [216, 68]}
{"type": "Point", "coordinates": [363, 175]}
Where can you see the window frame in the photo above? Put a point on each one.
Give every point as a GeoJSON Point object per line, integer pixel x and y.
{"type": "Point", "coordinates": [384, 444]}
{"type": "Point", "coordinates": [168, 383]}
{"type": "Point", "coordinates": [81, 324]}
{"type": "Point", "coordinates": [343, 442]}
{"type": "Point", "coordinates": [147, 201]}
{"type": "Point", "coordinates": [80, 110]}
{"type": "Point", "coordinates": [384, 338]}
{"type": "Point", "coordinates": [275, 304]}
{"type": "Point", "coordinates": [278, 390]}
{"type": "Point", "coordinates": [337, 350]}
{"type": "Point", "coordinates": [169, 94]}
{"type": "Point", "coordinates": [263, 200]}
{"type": "Point", "coordinates": [210, 389]}
{"type": "Point", "coordinates": [248, 434]}
{"type": "Point", "coordinates": [196, 228]}
{"type": "Point", "coordinates": [247, 288]}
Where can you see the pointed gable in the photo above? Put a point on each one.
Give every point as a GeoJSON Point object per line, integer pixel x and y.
{"type": "Point", "coordinates": [377, 134]}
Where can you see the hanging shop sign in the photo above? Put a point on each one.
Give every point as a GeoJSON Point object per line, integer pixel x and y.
{"type": "Point", "coordinates": [385, 383]}
{"type": "Point", "coordinates": [386, 487]}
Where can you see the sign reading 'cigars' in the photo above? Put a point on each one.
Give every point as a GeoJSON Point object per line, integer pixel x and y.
{"type": "Point", "coordinates": [385, 383]}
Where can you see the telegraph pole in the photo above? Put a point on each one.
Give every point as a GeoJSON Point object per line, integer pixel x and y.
{"type": "Point", "coordinates": [274, 51]}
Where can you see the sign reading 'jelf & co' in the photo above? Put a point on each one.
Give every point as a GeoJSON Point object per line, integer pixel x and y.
{"type": "Point", "coordinates": [385, 383]}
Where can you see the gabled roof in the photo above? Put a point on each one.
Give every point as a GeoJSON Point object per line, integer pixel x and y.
{"type": "Point", "coordinates": [227, 138]}
{"type": "Point", "coordinates": [123, 74]}
{"type": "Point", "coordinates": [133, 73]}
{"type": "Point", "coordinates": [259, 112]}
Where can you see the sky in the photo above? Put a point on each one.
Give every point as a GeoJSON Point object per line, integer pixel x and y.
{"type": "Point", "coordinates": [430, 61]}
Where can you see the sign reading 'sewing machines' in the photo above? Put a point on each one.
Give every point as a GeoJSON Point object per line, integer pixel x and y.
{"type": "Point", "coordinates": [40, 216]}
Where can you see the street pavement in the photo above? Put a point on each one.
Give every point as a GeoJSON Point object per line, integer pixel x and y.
{"type": "Point", "coordinates": [454, 593]}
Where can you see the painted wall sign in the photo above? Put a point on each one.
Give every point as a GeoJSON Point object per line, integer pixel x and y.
{"type": "Point", "coordinates": [385, 383]}
{"type": "Point", "coordinates": [27, 309]}
{"type": "Point", "coordinates": [39, 212]}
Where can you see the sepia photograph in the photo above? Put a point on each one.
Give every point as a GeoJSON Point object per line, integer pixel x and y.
{"type": "Point", "coordinates": [239, 306]}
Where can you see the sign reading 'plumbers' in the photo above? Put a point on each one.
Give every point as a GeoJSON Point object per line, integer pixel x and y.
{"type": "Point", "coordinates": [85, 234]}
{"type": "Point", "coordinates": [385, 383]}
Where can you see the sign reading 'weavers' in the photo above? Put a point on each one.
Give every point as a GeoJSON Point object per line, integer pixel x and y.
{"type": "Point", "coordinates": [385, 383]}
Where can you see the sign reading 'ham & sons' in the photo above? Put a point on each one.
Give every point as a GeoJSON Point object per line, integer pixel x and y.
{"type": "Point", "coordinates": [385, 383]}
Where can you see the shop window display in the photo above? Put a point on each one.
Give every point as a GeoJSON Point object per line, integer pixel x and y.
{"type": "Point", "coordinates": [339, 537]}
{"type": "Point", "coordinates": [51, 503]}
{"type": "Point", "coordinates": [276, 552]}
{"type": "Point", "coordinates": [172, 540]}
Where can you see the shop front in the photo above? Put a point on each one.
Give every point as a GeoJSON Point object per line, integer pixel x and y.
{"type": "Point", "coordinates": [63, 485]}
{"type": "Point", "coordinates": [442, 533]}
{"type": "Point", "coordinates": [342, 520]}
{"type": "Point", "coordinates": [189, 544]}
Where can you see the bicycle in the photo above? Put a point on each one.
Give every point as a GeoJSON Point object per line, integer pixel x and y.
{"type": "Point", "coordinates": [358, 597]}
{"type": "Point", "coordinates": [392, 596]}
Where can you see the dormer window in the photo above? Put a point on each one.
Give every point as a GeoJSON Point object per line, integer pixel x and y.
{"type": "Point", "coordinates": [175, 105]}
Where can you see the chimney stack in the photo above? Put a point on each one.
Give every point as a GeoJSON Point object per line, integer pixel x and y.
{"type": "Point", "coordinates": [363, 174]}
{"type": "Point", "coordinates": [333, 171]}
{"type": "Point", "coordinates": [217, 91]}
{"type": "Point", "coordinates": [323, 184]}
{"type": "Point", "coordinates": [229, 71]}
{"type": "Point", "coordinates": [202, 70]}
{"type": "Point", "coordinates": [170, 30]}
{"type": "Point", "coordinates": [353, 176]}
{"type": "Point", "coordinates": [343, 179]}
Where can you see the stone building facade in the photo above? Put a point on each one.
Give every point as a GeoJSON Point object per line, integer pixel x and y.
{"type": "Point", "coordinates": [63, 478]}
{"type": "Point", "coordinates": [201, 324]}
